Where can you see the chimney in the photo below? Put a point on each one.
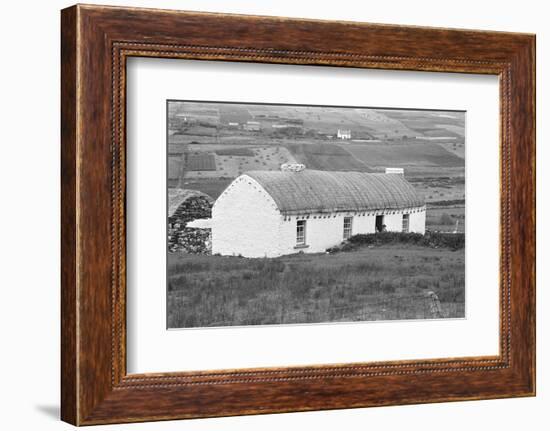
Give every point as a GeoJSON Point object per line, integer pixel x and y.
{"type": "Point", "coordinates": [399, 171]}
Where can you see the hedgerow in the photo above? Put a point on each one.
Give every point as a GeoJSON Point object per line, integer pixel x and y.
{"type": "Point", "coordinates": [453, 241]}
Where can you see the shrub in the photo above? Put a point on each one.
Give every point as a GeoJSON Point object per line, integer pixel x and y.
{"type": "Point", "coordinates": [386, 238]}
{"type": "Point", "coordinates": [446, 219]}
{"type": "Point", "coordinates": [454, 241]}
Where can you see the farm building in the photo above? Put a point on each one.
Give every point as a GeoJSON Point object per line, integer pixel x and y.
{"type": "Point", "coordinates": [273, 213]}
{"type": "Point", "coordinates": [253, 126]}
{"type": "Point", "coordinates": [344, 134]}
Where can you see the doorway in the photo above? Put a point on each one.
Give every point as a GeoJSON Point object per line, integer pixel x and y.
{"type": "Point", "coordinates": [379, 223]}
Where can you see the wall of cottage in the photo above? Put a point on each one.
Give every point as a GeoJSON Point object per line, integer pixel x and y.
{"type": "Point", "coordinates": [417, 221]}
{"type": "Point", "coordinates": [245, 221]}
{"type": "Point", "coordinates": [322, 231]}
{"type": "Point", "coordinates": [327, 230]}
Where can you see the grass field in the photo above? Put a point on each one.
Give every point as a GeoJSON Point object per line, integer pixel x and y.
{"type": "Point", "coordinates": [427, 122]}
{"type": "Point", "coordinates": [455, 147]}
{"type": "Point", "coordinates": [232, 162]}
{"type": "Point", "coordinates": [442, 188]}
{"type": "Point", "coordinates": [232, 151]}
{"type": "Point", "coordinates": [445, 218]}
{"type": "Point", "coordinates": [200, 162]}
{"type": "Point", "coordinates": [403, 155]}
{"type": "Point", "coordinates": [174, 167]}
{"type": "Point", "coordinates": [327, 157]}
{"type": "Point", "coordinates": [213, 187]}
{"type": "Point", "coordinates": [379, 283]}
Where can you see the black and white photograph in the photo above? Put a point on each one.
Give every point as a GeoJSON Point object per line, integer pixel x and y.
{"type": "Point", "coordinates": [295, 214]}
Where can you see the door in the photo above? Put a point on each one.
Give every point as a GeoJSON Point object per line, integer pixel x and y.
{"type": "Point", "coordinates": [379, 223]}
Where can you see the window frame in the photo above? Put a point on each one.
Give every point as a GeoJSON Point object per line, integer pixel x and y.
{"type": "Point", "coordinates": [302, 223]}
{"type": "Point", "coordinates": [406, 217]}
{"type": "Point", "coordinates": [350, 228]}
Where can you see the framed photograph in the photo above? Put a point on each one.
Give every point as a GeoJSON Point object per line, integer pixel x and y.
{"type": "Point", "coordinates": [263, 214]}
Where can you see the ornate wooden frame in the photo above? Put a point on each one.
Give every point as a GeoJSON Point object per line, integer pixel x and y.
{"type": "Point", "coordinates": [95, 43]}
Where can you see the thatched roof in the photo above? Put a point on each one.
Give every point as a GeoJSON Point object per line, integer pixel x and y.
{"type": "Point", "coordinates": [323, 191]}
{"type": "Point", "coordinates": [178, 196]}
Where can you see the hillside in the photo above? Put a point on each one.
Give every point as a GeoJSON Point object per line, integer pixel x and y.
{"type": "Point", "coordinates": [210, 144]}
{"type": "Point", "coordinates": [327, 157]}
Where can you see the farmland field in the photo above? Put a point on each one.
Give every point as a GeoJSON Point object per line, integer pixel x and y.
{"type": "Point", "coordinates": [380, 283]}
{"type": "Point", "coordinates": [174, 167]}
{"type": "Point", "coordinates": [213, 187]}
{"type": "Point", "coordinates": [327, 157]}
{"type": "Point", "coordinates": [451, 122]}
{"type": "Point", "coordinates": [440, 188]}
{"type": "Point", "coordinates": [200, 162]}
{"type": "Point", "coordinates": [404, 155]}
{"type": "Point", "coordinates": [234, 113]}
{"type": "Point", "coordinates": [456, 148]}
{"type": "Point", "coordinates": [446, 218]}
{"type": "Point", "coordinates": [246, 152]}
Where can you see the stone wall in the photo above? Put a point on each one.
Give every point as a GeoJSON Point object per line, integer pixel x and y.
{"type": "Point", "coordinates": [190, 240]}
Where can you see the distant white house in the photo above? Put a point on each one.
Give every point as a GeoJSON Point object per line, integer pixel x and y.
{"type": "Point", "coordinates": [273, 213]}
{"type": "Point", "coordinates": [254, 126]}
{"type": "Point", "coordinates": [344, 134]}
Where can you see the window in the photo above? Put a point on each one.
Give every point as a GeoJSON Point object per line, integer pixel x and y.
{"type": "Point", "coordinates": [347, 227]}
{"type": "Point", "coordinates": [301, 232]}
{"type": "Point", "coordinates": [405, 226]}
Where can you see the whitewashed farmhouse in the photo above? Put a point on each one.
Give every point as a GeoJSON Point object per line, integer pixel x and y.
{"type": "Point", "coordinates": [344, 134]}
{"type": "Point", "coordinates": [273, 213]}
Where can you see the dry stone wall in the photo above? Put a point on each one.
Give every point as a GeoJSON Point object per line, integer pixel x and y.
{"type": "Point", "coordinates": [183, 238]}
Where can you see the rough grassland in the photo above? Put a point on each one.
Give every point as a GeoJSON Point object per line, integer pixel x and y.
{"type": "Point", "coordinates": [379, 283]}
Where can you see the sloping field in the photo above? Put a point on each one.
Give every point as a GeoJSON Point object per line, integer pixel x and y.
{"type": "Point", "coordinates": [221, 161]}
{"type": "Point", "coordinates": [404, 155]}
{"type": "Point", "coordinates": [456, 148]}
{"type": "Point", "coordinates": [191, 139]}
{"type": "Point", "coordinates": [235, 151]}
{"type": "Point", "coordinates": [174, 167]}
{"type": "Point", "coordinates": [213, 187]}
{"type": "Point", "coordinates": [427, 123]}
{"type": "Point", "coordinates": [327, 157]}
{"type": "Point", "coordinates": [234, 113]}
{"type": "Point", "coordinates": [250, 159]}
{"type": "Point", "coordinates": [200, 162]}
{"type": "Point", "coordinates": [381, 125]}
